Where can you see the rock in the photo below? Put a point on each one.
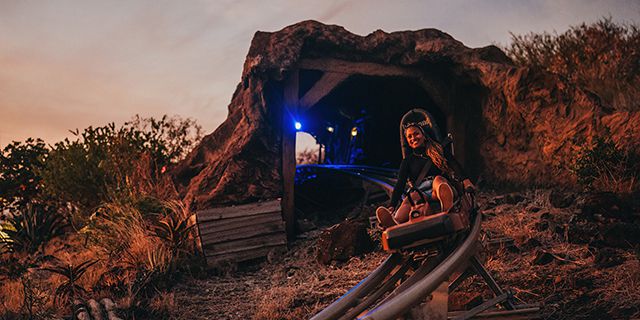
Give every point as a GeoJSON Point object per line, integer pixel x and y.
{"type": "Point", "coordinates": [95, 309]}
{"type": "Point", "coordinates": [607, 258]}
{"type": "Point", "coordinates": [621, 235]}
{"type": "Point", "coordinates": [344, 240]}
{"type": "Point", "coordinates": [543, 258]}
{"type": "Point", "coordinates": [561, 199]}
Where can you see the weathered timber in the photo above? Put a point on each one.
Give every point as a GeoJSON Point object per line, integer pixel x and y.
{"type": "Point", "coordinates": [241, 233]}
{"type": "Point", "coordinates": [246, 244]}
{"type": "Point", "coordinates": [243, 255]}
{"type": "Point", "coordinates": [239, 211]}
{"type": "Point", "coordinates": [234, 223]}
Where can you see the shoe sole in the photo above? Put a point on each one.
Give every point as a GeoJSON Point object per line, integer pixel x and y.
{"type": "Point", "coordinates": [384, 217]}
{"type": "Point", "coordinates": [445, 193]}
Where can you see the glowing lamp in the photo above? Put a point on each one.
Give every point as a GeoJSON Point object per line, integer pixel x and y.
{"type": "Point", "coordinates": [298, 125]}
{"type": "Point", "coordinates": [354, 132]}
{"type": "Point", "coordinates": [330, 129]}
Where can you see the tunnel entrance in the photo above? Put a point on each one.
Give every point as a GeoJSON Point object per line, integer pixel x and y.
{"type": "Point", "coordinates": [353, 109]}
{"type": "Point", "coordinates": [357, 122]}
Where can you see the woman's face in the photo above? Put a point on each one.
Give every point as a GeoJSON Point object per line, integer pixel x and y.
{"type": "Point", "coordinates": [415, 138]}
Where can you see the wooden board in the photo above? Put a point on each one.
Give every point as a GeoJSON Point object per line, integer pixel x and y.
{"type": "Point", "coordinates": [241, 233]}
{"type": "Point", "coordinates": [239, 211]}
{"type": "Point", "coordinates": [234, 223]}
{"type": "Point", "coordinates": [243, 255]}
{"type": "Point", "coordinates": [241, 245]}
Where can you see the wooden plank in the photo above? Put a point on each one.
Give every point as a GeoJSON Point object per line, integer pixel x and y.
{"type": "Point", "coordinates": [321, 88]}
{"type": "Point", "coordinates": [239, 211]}
{"type": "Point", "coordinates": [244, 255]}
{"type": "Point", "coordinates": [289, 110]}
{"type": "Point", "coordinates": [223, 225]}
{"type": "Point", "coordinates": [241, 233]}
{"type": "Point", "coordinates": [273, 239]}
{"type": "Point", "coordinates": [364, 68]}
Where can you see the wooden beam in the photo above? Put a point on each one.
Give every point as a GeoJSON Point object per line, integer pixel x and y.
{"type": "Point", "coordinates": [363, 68]}
{"type": "Point", "coordinates": [241, 233]}
{"type": "Point", "coordinates": [246, 244]}
{"type": "Point", "coordinates": [244, 210]}
{"type": "Point", "coordinates": [321, 88]}
{"type": "Point", "coordinates": [244, 255]}
{"type": "Point", "coordinates": [334, 67]}
{"type": "Point", "coordinates": [289, 110]}
{"type": "Point", "coordinates": [223, 225]}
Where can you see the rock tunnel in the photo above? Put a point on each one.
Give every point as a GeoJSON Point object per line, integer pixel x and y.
{"type": "Point", "coordinates": [353, 109]}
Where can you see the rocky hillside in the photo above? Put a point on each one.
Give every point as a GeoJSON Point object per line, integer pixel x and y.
{"type": "Point", "coordinates": [530, 127]}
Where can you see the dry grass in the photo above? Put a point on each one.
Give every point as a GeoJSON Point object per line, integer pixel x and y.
{"type": "Point", "coordinates": [571, 286]}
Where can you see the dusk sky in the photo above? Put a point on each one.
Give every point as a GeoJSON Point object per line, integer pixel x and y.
{"type": "Point", "coordinates": [71, 64]}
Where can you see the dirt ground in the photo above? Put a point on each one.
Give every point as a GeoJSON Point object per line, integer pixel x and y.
{"type": "Point", "coordinates": [526, 247]}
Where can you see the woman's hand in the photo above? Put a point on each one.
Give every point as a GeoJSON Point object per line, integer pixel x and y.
{"type": "Point", "coordinates": [468, 185]}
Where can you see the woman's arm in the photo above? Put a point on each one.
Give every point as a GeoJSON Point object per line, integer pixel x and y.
{"type": "Point", "coordinates": [400, 184]}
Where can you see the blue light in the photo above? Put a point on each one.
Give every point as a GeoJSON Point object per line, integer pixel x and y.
{"type": "Point", "coordinates": [298, 125]}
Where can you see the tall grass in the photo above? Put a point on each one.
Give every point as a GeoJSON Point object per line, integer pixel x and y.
{"type": "Point", "coordinates": [603, 57]}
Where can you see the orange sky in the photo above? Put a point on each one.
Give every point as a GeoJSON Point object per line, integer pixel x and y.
{"type": "Point", "coordinates": [71, 64]}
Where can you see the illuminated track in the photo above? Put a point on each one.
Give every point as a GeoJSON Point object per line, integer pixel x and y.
{"type": "Point", "coordinates": [407, 278]}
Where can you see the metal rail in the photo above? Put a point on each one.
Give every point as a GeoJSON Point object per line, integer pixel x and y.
{"type": "Point", "coordinates": [424, 280]}
{"type": "Point", "coordinates": [414, 294]}
{"type": "Point", "coordinates": [349, 299]}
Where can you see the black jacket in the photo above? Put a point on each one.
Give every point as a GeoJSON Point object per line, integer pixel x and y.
{"type": "Point", "coordinates": [412, 165]}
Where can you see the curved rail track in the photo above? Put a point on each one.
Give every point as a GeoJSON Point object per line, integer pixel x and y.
{"type": "Point", "coordinates": [407, 277]}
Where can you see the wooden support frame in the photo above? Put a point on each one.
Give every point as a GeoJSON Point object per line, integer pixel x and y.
{"type": "Point", "coordinates": [289, 110]}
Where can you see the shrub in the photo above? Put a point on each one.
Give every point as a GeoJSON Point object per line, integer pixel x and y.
{"type": "Point", "coordinates": [606, 167]}
{"type": "Point", "coordinates": [307, 156]}
{"type": "Point", "coordinates": [31, 229]}
{"type": "Point", "coordinates": [20, 182]}
{"type": "Point", "coordinates": [603, 57]}
{"type": "Point", "coordinates": [104, 164]}
{"type": "Point", "coordinates": [70, 289]}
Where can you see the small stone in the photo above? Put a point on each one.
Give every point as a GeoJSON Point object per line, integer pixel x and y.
{"type": "Point", "coordinates": [543, 258]}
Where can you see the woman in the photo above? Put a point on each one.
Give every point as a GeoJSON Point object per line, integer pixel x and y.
{"type": "Point", "coordinates": [424, 159]}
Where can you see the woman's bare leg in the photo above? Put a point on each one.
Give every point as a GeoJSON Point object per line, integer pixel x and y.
{"type": "Point", "coordinates": [402, 214]}
{"type": "Point", "coordinates": [443, 192]}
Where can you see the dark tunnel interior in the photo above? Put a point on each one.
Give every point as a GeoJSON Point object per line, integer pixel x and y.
{"type": "Point", "coordinates": [358, 121]}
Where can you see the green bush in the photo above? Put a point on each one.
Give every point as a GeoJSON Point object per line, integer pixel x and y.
{"type": "Point", "coordinates": [605, 166]}
{"type": "Point", "coordinates": [106, 164]}
{"type": "Point", "coordinates": [20, 183]}
{"type": "Point", "coordinates": [603, 57]}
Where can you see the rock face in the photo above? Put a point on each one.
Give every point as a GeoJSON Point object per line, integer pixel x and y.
{"type": "Point", "coordinates": [343, 241]}
{"type": "Point", "coordinates": [529, 127]}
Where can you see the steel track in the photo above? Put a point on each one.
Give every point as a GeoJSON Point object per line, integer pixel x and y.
{"type": "Point", "coordinates": [414, 289]}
